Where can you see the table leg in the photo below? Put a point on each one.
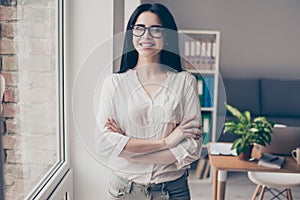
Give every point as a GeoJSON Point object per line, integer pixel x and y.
{"type": "Point", "coordinates": [214, 184]}
{"type": "Point", "coordinates": [222, 177]}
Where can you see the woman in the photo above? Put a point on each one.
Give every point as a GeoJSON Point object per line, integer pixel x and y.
{"type": "Point", "coordinates": [149, 114]}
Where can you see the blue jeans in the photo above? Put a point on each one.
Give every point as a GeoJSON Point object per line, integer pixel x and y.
{"type": "Point", "coordinates": [127, 190]}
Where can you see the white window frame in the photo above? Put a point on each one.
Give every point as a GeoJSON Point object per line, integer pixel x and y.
{"type": "Point", "coordinates": [59, 180]}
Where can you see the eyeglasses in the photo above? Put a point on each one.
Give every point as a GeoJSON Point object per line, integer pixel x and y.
{"type": "Point", "coordinates": [154, 31]}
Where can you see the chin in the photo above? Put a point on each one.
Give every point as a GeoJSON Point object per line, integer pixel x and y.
{"type": "Point", "coordinates": [148, 53]}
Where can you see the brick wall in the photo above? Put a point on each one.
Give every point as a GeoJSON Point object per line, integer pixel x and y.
{"type": "Point", "coordinates": [28, 64]}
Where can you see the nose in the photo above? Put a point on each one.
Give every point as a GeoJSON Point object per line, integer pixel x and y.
{"type": "Point", "coordinates": [147, 33]}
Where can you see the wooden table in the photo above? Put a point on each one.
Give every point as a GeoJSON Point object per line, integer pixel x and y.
{"type": "Point", "coordinates": [222, 164]}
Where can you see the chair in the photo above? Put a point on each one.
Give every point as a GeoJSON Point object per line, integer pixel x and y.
{"type": "Point", "coordinates": [268, 181]}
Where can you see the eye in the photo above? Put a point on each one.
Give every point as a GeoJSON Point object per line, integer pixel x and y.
{"type": "Point", "coordinates": [156, 29]}
{"type": "Point", "coordinates": [138, 28]}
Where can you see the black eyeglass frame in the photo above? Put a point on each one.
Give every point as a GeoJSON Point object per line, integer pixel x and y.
{"type": "Point", "coordinates": [147, 28]}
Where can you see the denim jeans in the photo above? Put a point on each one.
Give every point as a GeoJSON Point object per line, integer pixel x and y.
{"type": "Point", "coordinates": [172, 190]}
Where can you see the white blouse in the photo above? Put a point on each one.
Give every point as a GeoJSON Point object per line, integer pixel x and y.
{"type": "Point", "coordinates": [124, 99]}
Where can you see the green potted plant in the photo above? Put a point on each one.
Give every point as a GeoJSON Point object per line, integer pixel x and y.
{"type": "Point", "coordinates": [251, 131]}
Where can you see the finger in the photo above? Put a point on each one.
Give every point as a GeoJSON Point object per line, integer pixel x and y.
{"type": "Point", "coordinates": [199, 132]}
{"type": "Point", "coordinates": [191, 126]}
{"type": "Point", "coordinates": [110, 128]}
{"type": "Point", "coordinates": [107, 125]}
{"type": "Point", "coordinates": [196, 135]}
{"type": "Point", "coordinates": [108, 122]}
{"type": "Point", "coordinates": [189, 135]}
{"type": "Point", "coordinates": [192, 135]}
{"type": "Point", "coordinates": [188, 120]}
{"type": "Point", "coordinates": [114, 121]}
{"type": "Point", "coordinates": [120, 130]}
{"type": "Point", "coordinates": [111, 124]}
{"type": "Point", "coordinates": [116, 131]}
{"type": "Point", "coordinates": [197, 138]}
{"type": "Point", "coordinates": [116, 126]}
{"type": "Point", "coordinates": [113, 128]}
{"type": "Point", "coordinates": [193, 130]}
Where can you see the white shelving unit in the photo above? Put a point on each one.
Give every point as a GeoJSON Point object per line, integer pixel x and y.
{"type": "Point", "coordinates": [200, 50]}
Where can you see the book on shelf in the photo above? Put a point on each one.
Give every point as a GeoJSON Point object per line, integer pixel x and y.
{"type": "Point", "coordinates": [200, 54]}
{"type": "Point", "coordinates": [203, 64]}
{"type": "Point", "coordinates": [211, 83]}
{"type": "Point", "coordinates": [200, 89]}
{"type": "Point", "coordinates": [213, 54]}
{"type": "Point", "coordinates": [187, 48]}
{"type": "Point", "coordinates": [270, 160]}
{"type": "Point", "coordinates": [208, 91]}
{"type": "Point", "coordinates": [206, 119]}
{"type": "Point", "coordinates": [206, 55]}
{"type": "Point", "coordinates": [193, 48]}
{"type": "Point", "coordinates": [205, 87]}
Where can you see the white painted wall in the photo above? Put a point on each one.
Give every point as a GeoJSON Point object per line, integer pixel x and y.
{"type": "Point", "coordinates": [258, 38]}
{"type": "Point", "coordinates": [130, 6]}
{"type": "Point", "coordinates": [91, 23]}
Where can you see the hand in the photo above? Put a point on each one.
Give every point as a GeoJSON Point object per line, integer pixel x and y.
{"type": "Point", "coordinates": [183, 130]}
{"type": "Point", "coordinates": [113, 126]}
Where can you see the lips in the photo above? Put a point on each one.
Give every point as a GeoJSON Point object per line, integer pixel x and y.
{"type": "Point", "coordinates": [146, 44]}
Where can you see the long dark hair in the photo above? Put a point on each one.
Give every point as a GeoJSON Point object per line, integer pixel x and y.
{"type": "Point", "coordinates": [169, 55]}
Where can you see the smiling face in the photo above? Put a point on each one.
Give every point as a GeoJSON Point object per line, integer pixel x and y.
{"type": "Point", "coordinates": [146, 45]}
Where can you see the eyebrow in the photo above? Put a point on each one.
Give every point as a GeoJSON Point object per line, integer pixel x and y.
{"type": "Point", "coordinates": [143, 25]}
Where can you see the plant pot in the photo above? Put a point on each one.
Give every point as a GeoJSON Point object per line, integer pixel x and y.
{"type": "Point", "coordinates": [246, 155]}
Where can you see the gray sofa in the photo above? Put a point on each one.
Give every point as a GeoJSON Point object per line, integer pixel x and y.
{"type": "Point", "coordinates": [276, 99]}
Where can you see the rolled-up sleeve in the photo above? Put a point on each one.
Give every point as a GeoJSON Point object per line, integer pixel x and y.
{"type": "Point", "coordinates": [189, 149]}
{"type": "Point", "coordinates": [108, 144]}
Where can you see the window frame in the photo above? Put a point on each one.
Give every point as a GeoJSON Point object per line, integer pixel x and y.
{"type": "Point", "coordinates": [47, 186]}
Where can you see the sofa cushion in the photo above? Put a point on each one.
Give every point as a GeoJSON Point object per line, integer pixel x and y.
{"type": "Point", "coordinates": [280, 97]}
{"type": "Point", "coordinates": [243, 94]}
{"type": "Point", "coordinates": [288, 121]}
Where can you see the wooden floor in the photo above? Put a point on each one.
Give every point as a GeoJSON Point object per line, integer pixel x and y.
{"type": "Point", "coordinates": [238, 187]}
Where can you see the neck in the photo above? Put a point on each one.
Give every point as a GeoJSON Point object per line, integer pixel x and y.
{"type": "Point", "coordinates": [146, 60]}
{"type": "Point", "coordinates": [149, 65]}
